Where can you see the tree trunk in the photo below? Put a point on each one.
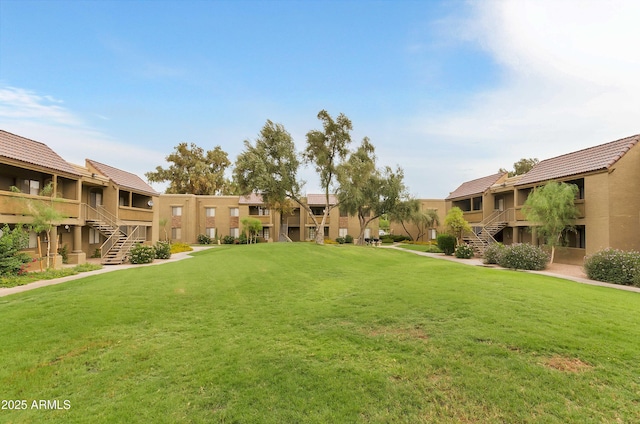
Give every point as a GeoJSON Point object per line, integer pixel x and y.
{"type": "Point", "coordinates": [553, 252]}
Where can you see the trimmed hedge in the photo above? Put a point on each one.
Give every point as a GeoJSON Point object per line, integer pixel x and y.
{"type": "Point", "coordinates": [614, 266]}
{"type": "Point", "coordinates": [204, 239]}
{"type": "Point", "coordinates": [523, 256]}
{"type": "Point", "coordinates": [447, 243]}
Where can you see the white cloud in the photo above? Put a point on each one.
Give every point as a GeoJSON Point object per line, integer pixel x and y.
{"type": "Point", "coordinates": [570, 81]}
{"type": "Point", "coordinates": [41, 118]}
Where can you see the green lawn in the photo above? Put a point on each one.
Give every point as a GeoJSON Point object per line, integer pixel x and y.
{"type": "Point", "coordinates": [285, 333]}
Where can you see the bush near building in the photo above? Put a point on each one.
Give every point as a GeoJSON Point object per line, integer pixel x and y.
{"type": "Point", "coordinates": [523, 256]}
{"type": "Point", "coordinates": [447, 243]}
{"type": "Point", "coordinates": [614, 266]}
{"type": "Point", "coordinates": [464, 251]}
{"type": "Point", "coordinates": [142, 254]}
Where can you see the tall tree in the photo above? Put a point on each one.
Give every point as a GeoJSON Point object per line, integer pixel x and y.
{"type": "Point", "coordinates": [521, 167]}
{"type": "Point", "coordinates": [423, 220]}
{"type": "Point", "coordinates": [404, 212]}
{"type": "Point", "coordinates": [552, 208]}
{"type": "Point", "coordinates": [326, 150]}
{"type": "Point", "coordinates": [270, 167]}
{"type": "Point", "coordinates": [365, 191]}
{"type": "Point", "coordinates": [194, 171]}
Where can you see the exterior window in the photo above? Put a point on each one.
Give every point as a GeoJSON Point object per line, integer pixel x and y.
{"type": "Point", "coordinates": [312, 233]}
{"type": "Point", "coordinates": [176, 233]}
{"type": "Point", "coordinates": [210, 211]}
{"type": "Point", "coordinates": [29, 186]}
{"type": "Point", "coordinates": [367, 233]}
{"type": "Point", "coordinates": [176, 211]}
{"type": "Point", "coordinates": [326, 231]}
{"type": "Point", "coordinates": [433, 234]}
{"type": "Point", "coordinates": [258, 210]}
{"type": "Point", "coordinates": [343, 214]}
{"type": "Point", "coordinates": [211, 232]}
{"type": "Point", "coordinates": [234, 212]}
{"type": "Point", "coordinates": [342, 232]}
{"type": "Point", "coordinates": [234, 232]}
{"type": "Point", "coordinates": [317, 210]}
{"type": "Point", "coordinates": [266, 234]}
{"type": "Point", "coordinates": [33, 240]}
{"type": "Point", "coordinates": [94, 236]}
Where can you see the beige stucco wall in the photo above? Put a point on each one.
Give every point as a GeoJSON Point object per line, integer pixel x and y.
{"type": "Point", "coordinates": [624, 201]}
{"type": "Point", "coordinates": [596, 214]}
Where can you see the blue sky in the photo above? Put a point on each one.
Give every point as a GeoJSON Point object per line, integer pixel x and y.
{"type": "Point", "coordinates": [448, 90]}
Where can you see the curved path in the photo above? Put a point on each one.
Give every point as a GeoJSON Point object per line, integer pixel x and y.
{"type": "Point", "coordinates": [567, 272]}
{"type": "Point", "coordinates": [5, 291]}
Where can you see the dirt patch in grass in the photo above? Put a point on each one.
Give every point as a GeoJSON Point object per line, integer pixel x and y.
{"type": "Point", "coordinates": [403, 333]}
{"type": "Point", "coordinates": [563, 364]}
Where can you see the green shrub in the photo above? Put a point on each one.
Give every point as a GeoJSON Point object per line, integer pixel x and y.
{"type": "Point", "coordinates": [348, 239]}
{"type": "Point", "coordinates": [142, 254]}
{"type": "Point", "coordinates": [163, 250]}
{"type": "Point", "coordinates": [228, 239]}
{"type": "Point", "coordinates": [340, 240]}
{"type": "Point", "coordinates": [447, 243]}
{"type": "Point", "coordinates": [204, 239]}
{"type": "Point", "coordinates": [523, 256]}
{"type": "Point", "coordinates": [386, 239]}
{"type": "Point", "coordinates": [492, 253]}
{"type": "Point", "coordinates": [12, 261]}
{"type": "Point", "coordinates": [464, 251]}
{"type": "Point", "coordinates": [64, 252]}
{"type": "Point", "coordinates": [614, 266]}
{"type": "Point", "coordinates": [397, 238]}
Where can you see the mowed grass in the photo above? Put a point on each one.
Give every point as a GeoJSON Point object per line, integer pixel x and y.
{"type": "Point", "coordinates": [285, 333]}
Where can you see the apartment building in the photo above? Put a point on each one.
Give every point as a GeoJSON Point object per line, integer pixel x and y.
{"type": "Point", "coordinates": [608, 179]}
{"type": "Point", "coordinates": [105, 210]}
{"type": "Point", "coordinates": [185, 216]}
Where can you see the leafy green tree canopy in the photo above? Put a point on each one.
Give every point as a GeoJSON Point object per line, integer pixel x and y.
{"type": "Point", "coordinates": [552, 208]}
{"type": "Point", "coordinates": [455, 222]}
{"type": "Point", "coordinates": [364, 190]}
{"type": "Point", "coordinates": [326, 150]}
{"type": "Point", "coordinates": [194, 171]}
{"type": "Point", "coordinates": [521, 167]}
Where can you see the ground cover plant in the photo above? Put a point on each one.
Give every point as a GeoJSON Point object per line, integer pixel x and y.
{"type": "Point", "coordinates": [298, 332]}
{"type": "Point", "coordinates": [50, 274]}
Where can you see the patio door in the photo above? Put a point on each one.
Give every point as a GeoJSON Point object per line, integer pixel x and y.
{"type": "Point", "coordinates": [95, 199]}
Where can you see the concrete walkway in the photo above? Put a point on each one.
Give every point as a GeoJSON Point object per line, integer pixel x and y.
{"type": "Point", "coordinates": [4, 291]}
{"type": "Point", "coordinates": [478, 262]}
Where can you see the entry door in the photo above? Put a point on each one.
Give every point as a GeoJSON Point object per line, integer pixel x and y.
{"type": "Point", "coordinates": [500, 204]}
{"type": "Point", "coordinates": [95, 199]}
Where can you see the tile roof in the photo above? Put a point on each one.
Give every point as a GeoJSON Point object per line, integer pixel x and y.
{"type": "Point", "coordinates": [477, 186]}
{"type": "Point", "coordinates": [251, 199]}
{"type": "Point", "coordinates": [33, 152]}
{"type": "Point", "coordinates": [319, 199]}
{"type": "Point", "coordinates": [123, 178]}
{"type": "Point", "coordinates": [586, 160]}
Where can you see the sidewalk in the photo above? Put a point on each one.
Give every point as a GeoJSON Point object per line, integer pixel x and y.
{"type": "Point", "coordinates": [566, 272]}
{"type": "Point", "coordinates": [4, 291]}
